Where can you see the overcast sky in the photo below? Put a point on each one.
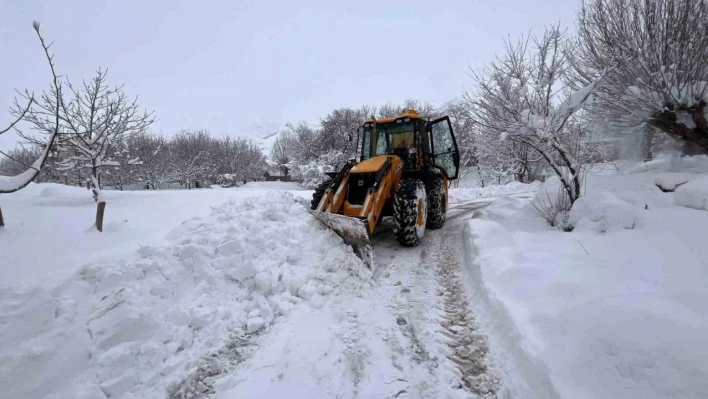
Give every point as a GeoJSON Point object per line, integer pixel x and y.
{"type": "Point", "coordinates": [231, 66]}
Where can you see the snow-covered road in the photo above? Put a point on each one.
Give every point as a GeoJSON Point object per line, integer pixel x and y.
{"type": "Point", "coordinates": [406, 333]}
{"type": "Point", "coordinates": [252, 299]}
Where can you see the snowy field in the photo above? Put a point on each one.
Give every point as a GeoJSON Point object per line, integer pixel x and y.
{"type": "Point", "coordinates": [468, 194]}
{"type": "Point", "coordinates": [83, 314]}
{"type": "Point", "coordinates": [56, 222]}
{"type": "Point", "coordinates": [230, 292]}
{"type": "Point", "coordinates": [239, 292]}
{"type": "Point", "coordinates": [617, 307]}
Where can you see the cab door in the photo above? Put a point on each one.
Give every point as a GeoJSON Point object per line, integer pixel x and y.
{"type": "Point", "coordinates": [445, 153]}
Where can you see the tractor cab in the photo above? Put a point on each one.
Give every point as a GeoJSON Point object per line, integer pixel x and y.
{"type": "Point", "coordinates": [418, 142]}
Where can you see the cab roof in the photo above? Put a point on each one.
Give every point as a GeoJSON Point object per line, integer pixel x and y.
{"type": "Point", "coordinates": [406, 113]}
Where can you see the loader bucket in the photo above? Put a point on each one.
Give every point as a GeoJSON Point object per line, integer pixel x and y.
{"type": "Point", "coordinates": [354, 231]}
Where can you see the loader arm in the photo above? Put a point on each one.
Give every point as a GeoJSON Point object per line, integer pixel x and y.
{"type": "Point", "coordinates": [382, 189]}
{"type": "Point", "coordinates": [335, 194]}
{"type": "Point", "coordinates": [355, 223]}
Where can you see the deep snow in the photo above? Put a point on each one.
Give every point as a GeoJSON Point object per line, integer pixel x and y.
{"type": "Point", "coordinates": [230, 292]}
{"type": "Point", "coordinates": [141, 325]}
{"type": "Point", "coordinates": [49, 233]}
{"type": "Point", "coordinates": [240, 293]}
{"type": "Point", "coordinates": [614, 309]}
{"type": "Point", "coordinates": [469, 194]}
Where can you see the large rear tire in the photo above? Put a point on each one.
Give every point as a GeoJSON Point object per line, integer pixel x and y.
{"type": "Point", "coordinates": [409, 212]}
{"type": "Point", "coordinates": [437, 204]}
{"type": "Point", "coordinates": [319, 193]}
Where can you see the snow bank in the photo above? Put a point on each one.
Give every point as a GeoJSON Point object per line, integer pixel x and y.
{"type": "Point", "coordinates": [461, 195]}
{"type": "Point", "coordinates": [585, 315]}
{"type": "Point", "coordinates": [140, 325]}
{"type": "Point", "coordinates": [59, 219]}
{"type": "Point", "coordinates": [693, 194]}
{"type": "Point", "coordinates": [602, 211]}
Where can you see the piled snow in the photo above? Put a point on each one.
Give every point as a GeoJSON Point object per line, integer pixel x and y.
{"type": "Point", "coordinates": [603, 211]}
{"type": "Point", "coordinates": [270, 185]}
{"type": "Point", "coordinates": [693, 194]}
{"type": "Point", "coordinates": [57, 220]}
{"type": "Point", "coordinates": [462, 195]}
{"type": "Point", "coordinates": [138, 326]}
{"type": "Point", "coordinates": [619, 314]}
{"type": "Point", "coordinates": [670, 181]}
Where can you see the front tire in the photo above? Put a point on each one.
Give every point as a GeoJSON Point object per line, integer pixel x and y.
{"type": "Point", "coordinates": [319, 193]}
{"type": "Point", "coordinates": [409, 212]}
{"type": "Point", "coordinates": [437, 204]}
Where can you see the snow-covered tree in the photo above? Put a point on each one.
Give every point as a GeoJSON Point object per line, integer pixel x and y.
{"type": "Point", "coordinates": [240, 160]}
{"type": "Point", "coordinates": [128, 169]}
{"type": "Point", "coordinates": [9, 184]}
{"type": "Point", "coordinates": [94, 121]}
{"type": "Point", "coordinates": [188, 154]}
{"type": "Point", "coordinates": [657, 58]}
{"type": "Point", "coordinates": [520, 98]}
{"type": "Point", "coordinates": [152, 151]}
{"type": "Point", "coordinates": [282, 153]}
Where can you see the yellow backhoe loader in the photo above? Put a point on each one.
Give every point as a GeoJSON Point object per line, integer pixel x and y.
{"type": "Point", "coordinates": [403, 171]}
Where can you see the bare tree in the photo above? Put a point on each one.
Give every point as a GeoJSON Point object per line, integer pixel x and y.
{"type": "Point", "coordinates": [463, 126]}
{"type": "Point", "coordinates": [93, 122]}
{"type": "Point", "coordinates": [188, 155]}
{"type": "Point", "coordinates": [154, 153]}
{"type": "Point", "coordinates": [658, 60]}
{"type": "Point", "coordinates": [14, 183]}
{"type": "Point", "coordinates": [239, 159]}
{"type": "Point", "coordinates": [519, 98]}
{"type": "Point", "coordinates": [282, 153]}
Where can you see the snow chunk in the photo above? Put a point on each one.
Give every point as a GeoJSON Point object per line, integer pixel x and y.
{"type": "Point", "coordinates": [602, 211]}
{"type": "Point", "coordinates": [242, 272]}
{"type": "Point", "coordinates": [119, 385]}
{"type": "Point", "coordinates": [693, 194]}
{"type": "Point", "coordinates": [254, 324]}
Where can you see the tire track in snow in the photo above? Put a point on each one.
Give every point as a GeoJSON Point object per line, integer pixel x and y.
{"type": "Point", "coordinates": [468, 348]}
{"type": "Point", "coordinates": [200, 383]}
{"type": "Point", "coordinates": [430, 308]}
{"type": "Point", "coordinates": [437, 296]}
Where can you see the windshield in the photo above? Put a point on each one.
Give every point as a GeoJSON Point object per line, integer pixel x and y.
{"type": "Point", "coordinates": [389, 136]}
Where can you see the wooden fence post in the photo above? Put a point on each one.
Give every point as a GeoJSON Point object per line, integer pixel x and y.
{"type": "Point", "coordinates": [100, 209]}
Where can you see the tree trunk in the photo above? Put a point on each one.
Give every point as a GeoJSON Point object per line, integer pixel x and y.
{"type": "Point", "coordinates": [100, 210]}
{"type": "Point", "coordinates": [95, 182]}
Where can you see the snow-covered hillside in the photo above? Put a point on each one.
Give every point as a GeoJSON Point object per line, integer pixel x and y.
{"type": "Point", "coordinates": [614, 309]}
{"type": "Point", "coordinates": [266, 142]}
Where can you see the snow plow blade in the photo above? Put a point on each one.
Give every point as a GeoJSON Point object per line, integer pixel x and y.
{"type": "Point", "coordinates": [354, 231]}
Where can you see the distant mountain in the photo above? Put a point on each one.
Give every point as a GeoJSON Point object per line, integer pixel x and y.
{"type": "Point", "coordinates": [266, 142]}
{"type": "Point", "coordinates": [263, 134]}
